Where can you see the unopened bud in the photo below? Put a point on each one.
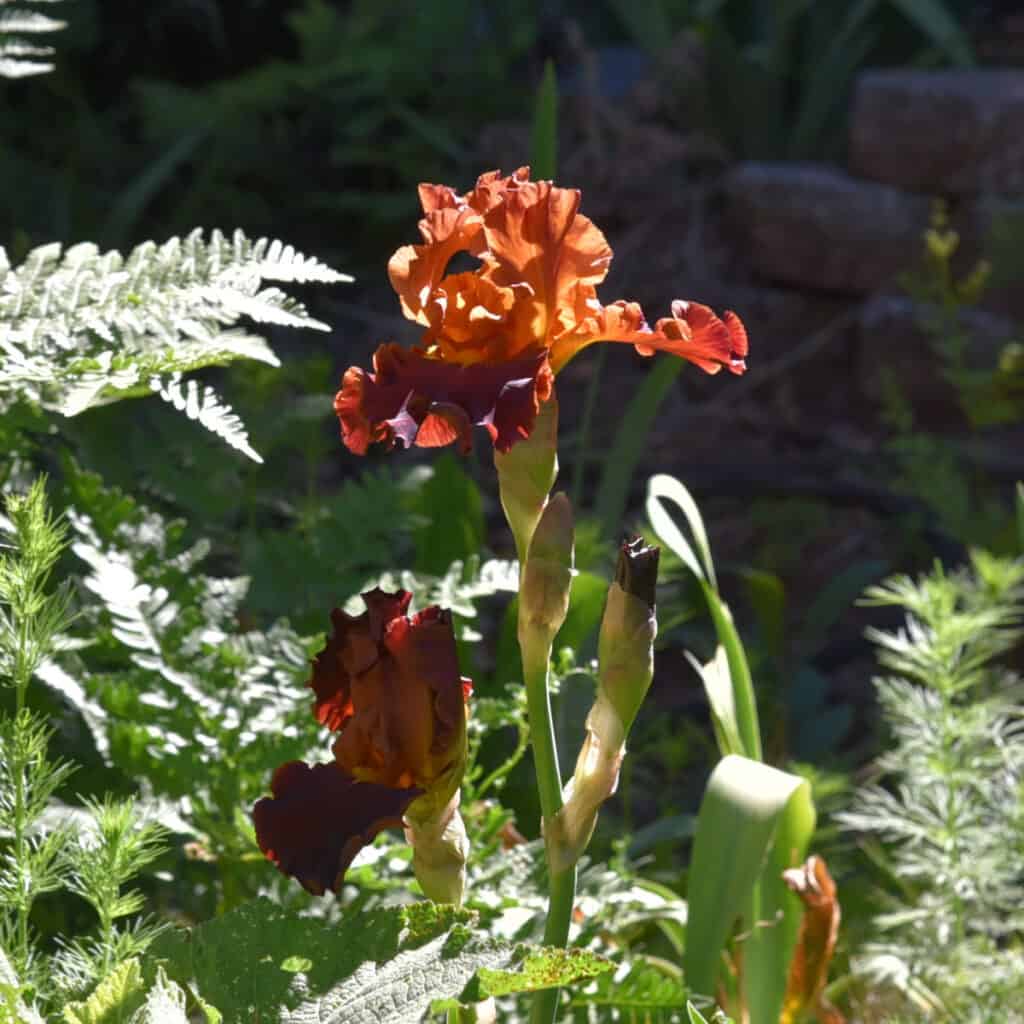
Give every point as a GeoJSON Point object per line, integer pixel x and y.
{"type": "Point", "coordinates": [626, 665]}
{"type": "Point", "coordinates": [596, 778]}
{"type": "Point", "coordinates": [626, 643]}
{"type": "Point", "coordinates": [547, 575]}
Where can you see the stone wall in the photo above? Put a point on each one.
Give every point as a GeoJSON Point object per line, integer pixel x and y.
{"type": "Point", "coordinates": [818, 233]}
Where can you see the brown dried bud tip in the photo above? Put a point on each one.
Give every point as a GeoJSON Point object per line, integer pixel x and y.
{"type": "Point", "coordinates": [637, 570]}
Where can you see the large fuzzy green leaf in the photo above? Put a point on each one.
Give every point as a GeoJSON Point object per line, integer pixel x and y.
{"type": "Point", "coordinates": [386, 966]}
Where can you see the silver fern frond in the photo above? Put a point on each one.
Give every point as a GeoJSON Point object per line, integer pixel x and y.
{"type": "Point", "coordinates": [80, 327]}
{"type": "Point", "coordinates": [19, 58]}
{"type": "Point", "coordinates": [201, 403]}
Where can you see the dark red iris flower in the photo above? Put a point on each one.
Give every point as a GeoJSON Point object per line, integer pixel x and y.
{"type": "Point", "coordinates": [389, 686]}
{"type": "Point", "coordinates": [494, 338]}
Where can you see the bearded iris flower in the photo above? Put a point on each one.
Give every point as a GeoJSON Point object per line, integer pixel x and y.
{"type": "Point", "coordinates": [494, 338]}
{"type": "Point", "coordinates": [389, 686]}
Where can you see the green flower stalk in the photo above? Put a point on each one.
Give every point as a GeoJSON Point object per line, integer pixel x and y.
{"type": "Point", "coordinates": [544, 588]}
{"type": "Point", "coordinates": [626, 666]}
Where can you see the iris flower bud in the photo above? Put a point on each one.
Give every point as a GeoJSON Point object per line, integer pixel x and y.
{"type": "Point", "coordinates": [626, 666]}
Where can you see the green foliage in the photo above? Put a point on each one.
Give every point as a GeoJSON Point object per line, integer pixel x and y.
{"type": "Point", "coordinates": [944, 819]}
{"type": "Point", "coordinates": [115, 999]}
{"type": "Point", "coordinates": [451, 511]}
{"type": "Point", "coordinates": [93, 854]}
{"type": "Point", "coordinates": [392, 964]}
{"type": "Point", "coordinates": [113, 846]}
{"type": "Point", "coordinates": [754, 823]}
{"type": "Point", "coordinates": [20, 56]}
{"type": "Point", "coordinates": [30, 620]}
{"type": "Point", "coordinates": [80, 328]}
{"type": "Point", "coordinates": [945, 475]}
{"type": "Point", "coordinates": [989, 395]}
{"type": "Point", "coordinates": [647, 991]}
{"type": "Point", "coordinates": [195, 703]}
{"type": "Point", "coordinates": [631, 442]}
{"type": "Point", "coordinates": [741, 700]}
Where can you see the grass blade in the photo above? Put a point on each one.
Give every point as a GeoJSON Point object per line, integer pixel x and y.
{"type": "Point", "coordinates": [661, 488]}
{"type": "Point", "coordinates": [544, 133]}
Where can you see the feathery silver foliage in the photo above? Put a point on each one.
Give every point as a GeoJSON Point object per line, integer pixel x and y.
{"type": "Point", "coordinates": [80, 327]}
{"type": "Point", "coordinates": [19, 57]}
{"type": "Point", "coordinates": [946, 806]}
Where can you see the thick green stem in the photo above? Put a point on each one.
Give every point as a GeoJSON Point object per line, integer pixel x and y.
{"type": "Point", "coordinates": [536, 652]}
{"type": "Point", "coordinates": [536, 658]}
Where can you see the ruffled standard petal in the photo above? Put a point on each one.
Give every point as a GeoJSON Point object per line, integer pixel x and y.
{"type": "Point", "coordinates": [537, 237]}
{"type": "Point", "coordinates": [468, 321]}
{"type": "Point", "coordinates": [424, 649]}
{"type": "Point", "coordinates": [413, 399]}
{"type": "Point", "coordinates": [694, 332]}
{"type": "Point", "coordinates": [353, 648]}
{"type": "Point", "coordinates": [451, 224]}
{"type": "Point", "coordinates": [319, 818]}
{"type": "Point", "coordinates": [416, 270]}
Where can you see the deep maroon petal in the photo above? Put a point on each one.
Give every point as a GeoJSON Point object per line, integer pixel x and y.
{"type": "Point", "coordinates": [411, 398]}
{"type": "Point", "coordinates": [319, 818]}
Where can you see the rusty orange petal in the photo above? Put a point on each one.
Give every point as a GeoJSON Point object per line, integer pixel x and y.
{"type": "Point", "coordinates": [694, 332]}
{"type": "Point", "coordinates": [469, 321]}
{"type": "Point", "coordinates": [537, 237]}
{"type": "Point", "coordinates": [409, 719]}
{"type": "Point", "coordinates": [416, 270]}
{"type": "Point", "coordinates": [816, 942]}
{"type": "Point", "coordinates": [413, 399]}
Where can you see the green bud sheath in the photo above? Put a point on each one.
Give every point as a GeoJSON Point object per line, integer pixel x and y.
{"type": "Point", "coordinates": [440, 848]}
{"type": "Point", "coordinates": [526, 475]}
{"type": "Point", "coordinates": [626, 666]}
{"type": "Point", "coordinates": [547, 574]}
{"type": "Point", "coordinates": [626, 644]}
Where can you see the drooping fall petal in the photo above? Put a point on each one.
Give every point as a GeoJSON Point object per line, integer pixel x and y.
{"type": "Point", "coordinates": [319, 818]}
{"type": "Point", "coordinates": [413, 399]}
{"type": "Point", "coordinates": [816, 942]}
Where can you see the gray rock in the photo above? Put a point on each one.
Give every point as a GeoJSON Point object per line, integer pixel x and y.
{"type": "Point", "coordinates": [814, 226]}
{"type": "Point", "coordinates": [955, 131]}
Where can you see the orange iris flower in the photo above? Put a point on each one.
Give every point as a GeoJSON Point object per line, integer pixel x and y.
{"type": "Point", "coordinates": [494, 337]}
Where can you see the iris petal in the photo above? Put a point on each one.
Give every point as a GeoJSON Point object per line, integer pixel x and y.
{"type": "Point", "coordinates": [319, 818]}
{"type": "Point", "coordinates": [413, 399]}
